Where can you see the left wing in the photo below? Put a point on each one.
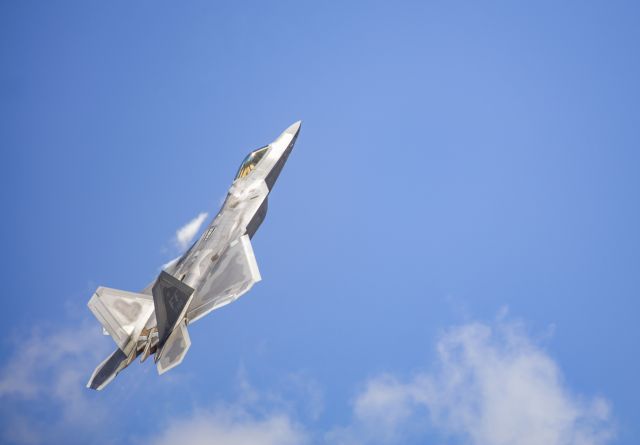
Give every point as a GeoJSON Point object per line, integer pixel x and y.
{"type": "Point", "coordinates": [233, 275]}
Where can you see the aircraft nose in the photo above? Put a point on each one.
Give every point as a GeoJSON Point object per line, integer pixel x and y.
{"type": "Point", "coordinates": [294, 128]}
{"type": "Point", "coordinates": [283, 145]}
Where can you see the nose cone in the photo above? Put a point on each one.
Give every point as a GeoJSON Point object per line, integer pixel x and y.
{"type": "Point", "coordinates": [294, 128]}
{"type": "Point", "coordinates": [286, 138]}
{"type": "Point", "coordinates": [283, 145]}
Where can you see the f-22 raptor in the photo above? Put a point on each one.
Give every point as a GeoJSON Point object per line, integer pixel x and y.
{"type": "Point", "coordinates": [216, 270]}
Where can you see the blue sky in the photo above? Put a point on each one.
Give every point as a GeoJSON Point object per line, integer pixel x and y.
{"type": "Point", "coordinates": [450, 255]}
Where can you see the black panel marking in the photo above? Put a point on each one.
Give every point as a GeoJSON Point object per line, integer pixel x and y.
{"type": "Point", "coordinates": [257, 219]}
{"type": "Point", "coordinates": [170, 296]}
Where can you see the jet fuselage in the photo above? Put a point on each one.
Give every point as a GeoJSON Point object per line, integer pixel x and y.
{"type": "Point", "coordinates": [216, 270]}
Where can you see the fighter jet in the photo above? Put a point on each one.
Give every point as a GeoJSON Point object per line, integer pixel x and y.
{"type": "Point", "coordinates": [216, 270]}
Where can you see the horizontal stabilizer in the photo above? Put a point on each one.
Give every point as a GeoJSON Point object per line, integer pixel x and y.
{"type": "Point", "coordinates": [170, 298]}
{"type": "Point", "coordinates": [122, 314]}
{"type": "Point", "coordinates": [107, 370]}
{"type": "Point", "coordinates": [175, 348]}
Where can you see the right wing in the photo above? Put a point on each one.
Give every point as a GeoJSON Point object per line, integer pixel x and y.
{"type": "Point", "coordinates": [233, 275]}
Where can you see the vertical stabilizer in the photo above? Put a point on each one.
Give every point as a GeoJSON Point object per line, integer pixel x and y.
{"type": "Point", "coordinates": [170, 299]}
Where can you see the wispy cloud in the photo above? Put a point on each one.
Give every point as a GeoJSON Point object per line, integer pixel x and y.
{"type": "Point", "coordinates": [41, 354]}
{"type": "Point", "coordinates": [256, 417]}
{"type": "Point", "coordinates": [492, 386]}
{"type": "Point", "coordinates": [49, 368]}
{"type": "Point", "coordinates": [185, 234]}
{"type": "Point", "coordinates": [170, 263]}
{"type": "Point", "coordinates": [232, 425]}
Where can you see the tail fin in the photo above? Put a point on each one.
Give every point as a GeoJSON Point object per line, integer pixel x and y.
{"type": "Point", "coordinates": [122, 314]}
{"type": "Point", "coordinates": [170, 298]}
{"type": "Point", "coordinates": [107, 370]}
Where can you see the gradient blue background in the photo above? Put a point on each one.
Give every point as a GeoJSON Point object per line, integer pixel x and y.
{"type": "Point", "coordinates": [455, 158]}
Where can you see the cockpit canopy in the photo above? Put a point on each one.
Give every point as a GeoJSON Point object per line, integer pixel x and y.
{"type": "Point", "coordinates": [250, 162]}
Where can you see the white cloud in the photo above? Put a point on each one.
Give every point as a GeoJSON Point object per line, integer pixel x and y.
{"type": "Point", "coordinates": [256, 417]}
{"type": "Point", "coordinates": [50, 368]}
{"type": "Point", "coordinates": [170, 263]}
{"type": "Point", "coordinates": [232, 425]}
{"type": "Point", "coordinates": [492, 386]}
{"type": "Point", "coordinates": [185, 234]}
{"type": "Point", "coordinates": [42, 354]}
